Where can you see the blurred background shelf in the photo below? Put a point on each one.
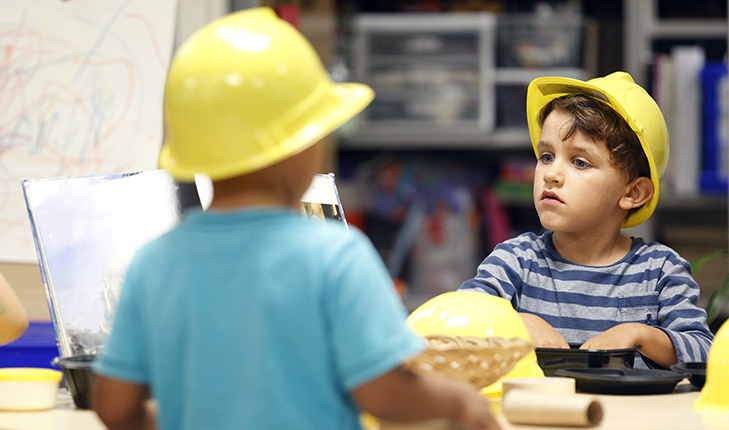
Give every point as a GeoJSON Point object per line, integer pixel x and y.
{"type": "Point", "coordinates": [425, 135]}
{"type": "Point", "coordinates": [459, 80]}
{"type": "Point", "coordinates": [452, 130]}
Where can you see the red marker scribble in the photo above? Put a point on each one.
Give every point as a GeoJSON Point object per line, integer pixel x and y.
{"type": "Point", "coordinates": [153, 41]}
{"type": "Point", "coordinates": [72, 107]}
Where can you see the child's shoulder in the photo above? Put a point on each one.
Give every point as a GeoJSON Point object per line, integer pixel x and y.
{"type": "Point", "coordinates": [651, 247]}
{"type": "Point", "coordinates": [528, 242]}
{"type": "Point", "coordinates": [255, 224]}
{"type": "Point", "coordinates": [528, 239]}
{"type": "Point", "coordinates": [656, 251]}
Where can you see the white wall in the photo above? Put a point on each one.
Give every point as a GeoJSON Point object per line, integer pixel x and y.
{"type": "Point", "coordinates": [194, 14]}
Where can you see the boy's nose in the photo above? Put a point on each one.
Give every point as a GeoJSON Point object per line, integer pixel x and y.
{"type": "Point", "coordinates": [553, 173]}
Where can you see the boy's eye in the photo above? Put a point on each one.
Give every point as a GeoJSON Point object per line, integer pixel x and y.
{"type": "Point", "coordinates": [581, 164]}
{"type": "Point", "coordinates": [547, 158]}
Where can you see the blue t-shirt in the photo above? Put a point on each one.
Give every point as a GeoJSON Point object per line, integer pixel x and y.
{"type": "Point", "coordinates": [652, 285]}
{"type": "Point", "coordinates": [257, 319]}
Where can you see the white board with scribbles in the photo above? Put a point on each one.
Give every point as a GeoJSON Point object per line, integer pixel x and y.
{"type": "Point", "coordinates": [81, 87]}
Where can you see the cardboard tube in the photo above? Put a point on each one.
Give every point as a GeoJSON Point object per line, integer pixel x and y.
{"type": "Point", "coordinates": [522, 406]}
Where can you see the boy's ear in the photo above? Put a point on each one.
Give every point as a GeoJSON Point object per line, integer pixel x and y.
{"type": "Point", "coordinates": [637, 193]}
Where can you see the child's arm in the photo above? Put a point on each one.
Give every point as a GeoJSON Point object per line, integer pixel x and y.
{"type": "Point", "coordinates": [406, 396]}
{"type": "Point", "coordinates": [541, 333]}
{"type": "Point", "coordinates": [13, 319]}
{"type": "Point", "coordinates": [654, 343]}
{"type": "Point", "coordinates": [123, 405]}
{"type": "Point", "coordinates": [680, 332]}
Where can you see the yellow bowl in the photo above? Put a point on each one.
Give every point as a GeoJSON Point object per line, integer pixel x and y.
{"type": "Point", "coordinates": [28, 388]}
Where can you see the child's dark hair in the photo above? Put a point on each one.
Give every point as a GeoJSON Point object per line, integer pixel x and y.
{"type": "Point", "coordinates": [599, 121]}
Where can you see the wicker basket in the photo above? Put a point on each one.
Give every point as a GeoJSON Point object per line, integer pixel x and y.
{"type": "Point", "coordinates": [480, 361]}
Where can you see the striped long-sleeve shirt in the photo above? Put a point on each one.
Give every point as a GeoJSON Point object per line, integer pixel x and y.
{"type": "Point", "coordinates": [652, 284]}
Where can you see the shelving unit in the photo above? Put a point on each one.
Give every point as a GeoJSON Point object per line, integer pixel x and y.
{"type": "Point", "coordinates": [433, 75]}
{"type": "Point", "coordinates": [457, 81]}
{"type": "Point", "coordinates": [647, 37]}
{"type": "Point", "coordinates": [643, 26]}
{"type": "Point", "coordinates": [694, 224]}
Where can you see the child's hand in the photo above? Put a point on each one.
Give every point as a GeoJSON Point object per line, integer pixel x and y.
{"type": "Point", "coordinates": [621, 336]}
{"type": "Point", "coordinates": [653, 342]}
{"type": "Point", "coordinates": [543, 335]}
{"type": "Point", "coordinates": [475, 413]}
{"type": "Point", "coordinates": [406, 396]}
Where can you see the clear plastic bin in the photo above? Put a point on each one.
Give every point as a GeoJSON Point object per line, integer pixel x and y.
{"type": "Point", "coordinates": [428, 70]}
{"type": "Point", "coordinates": [528, 40]}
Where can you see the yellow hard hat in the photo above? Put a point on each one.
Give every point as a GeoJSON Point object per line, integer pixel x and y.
{"type": "Point", "coordinates": [468, 313]}
{"type": "Point", "coordinates": [248, 91]}
{"type": "Point", "coordinates": [631, 101]}
{"type": "Point", "coordinates": [714, 395]}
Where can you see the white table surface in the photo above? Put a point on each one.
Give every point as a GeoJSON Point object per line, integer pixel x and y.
{"type": "Point", "coordinates": [672, 411]}
{"type": "Point", "coordinates": [64, 416]}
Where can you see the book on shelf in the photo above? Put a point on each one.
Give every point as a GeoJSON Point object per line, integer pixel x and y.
{"type": "Point", "coordinates": [677, 89]}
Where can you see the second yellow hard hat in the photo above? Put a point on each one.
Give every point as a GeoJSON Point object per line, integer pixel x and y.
{"type": "Point", "coordinates": [715, 392]}
{"type": "Point", "coordinates": [468, 313]}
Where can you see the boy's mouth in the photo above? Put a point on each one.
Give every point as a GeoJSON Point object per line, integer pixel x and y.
{"type": "Point", "coordinates": [550, 196]}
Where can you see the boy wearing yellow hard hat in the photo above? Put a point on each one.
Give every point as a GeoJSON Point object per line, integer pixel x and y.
{"type": "Point", "coordinates": [601, 147]}
{"type": "Point", "coordinates": [249, 315]}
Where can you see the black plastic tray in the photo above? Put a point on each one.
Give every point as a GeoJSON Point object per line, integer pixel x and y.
{"type": "Point", "coordinates": [624, 381]}
{"type": "Point", "coordinates": [696, 371]}
{"type": "Point", "coordinates": [553, 359]}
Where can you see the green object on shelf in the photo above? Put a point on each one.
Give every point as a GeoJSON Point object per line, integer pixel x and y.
{"type": "Point", "coordinates": [508, 190]}
{"type": "Point", "coordinates": [718, 297]}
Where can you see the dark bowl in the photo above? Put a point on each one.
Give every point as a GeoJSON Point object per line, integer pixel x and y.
{"type": "Point", "coordinates": [696, 371]}
{"type": "Point", "coordinates": [79, 375]}
{"type": "Point", "coordinates": [553, 359]}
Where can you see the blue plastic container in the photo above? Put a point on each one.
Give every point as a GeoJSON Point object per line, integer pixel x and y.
{"type": "Point", "coordinates": [715, 127]}
{"type": "Point", "coordinates": [37, 347]}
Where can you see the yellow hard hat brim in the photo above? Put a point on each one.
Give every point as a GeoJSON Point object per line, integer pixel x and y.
{"type": "Point", "coordinates": [543, 90]}
{"type": "Point", "coordinates": [339, 104]}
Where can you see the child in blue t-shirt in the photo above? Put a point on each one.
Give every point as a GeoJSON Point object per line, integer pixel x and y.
{"type": "Point", "coordinates": [249, 315]}
{"type": "Point", "coordinates": [601, 147]}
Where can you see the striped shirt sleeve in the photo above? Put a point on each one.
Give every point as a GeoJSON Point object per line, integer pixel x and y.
{"type": "Point", "coordinates": [678, 313]}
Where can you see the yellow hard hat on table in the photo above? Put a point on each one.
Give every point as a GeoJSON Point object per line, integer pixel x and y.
{"type": "Point", "coordinates": [469, 313]}
{"type": "Point", "coordinates": [248, 91]}
{"type": "Point", "coordinates": [631, 101]}
{"type": "Point", "coordinates": [715, 393]}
